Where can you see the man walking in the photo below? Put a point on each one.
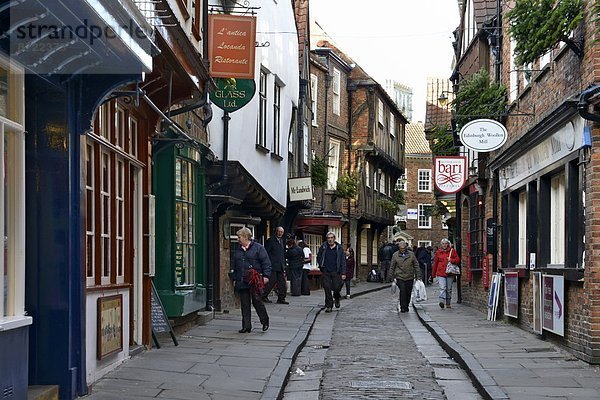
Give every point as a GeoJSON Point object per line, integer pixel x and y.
{"type": "Point", "coordinates": [385, 257]}
{"type": "Point", "coordinates": [332, 263]}
{"type": "Point", "coordinates": [275, 247]}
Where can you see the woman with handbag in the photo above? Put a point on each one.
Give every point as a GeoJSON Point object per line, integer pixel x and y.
{"type": "Point", "coordinates": [444, 268]}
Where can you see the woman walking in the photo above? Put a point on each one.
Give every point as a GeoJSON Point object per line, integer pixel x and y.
{"type": "Point", "coordinates": [251, 270]}
{"type": "Point", "coordinates": [350, 264]}
{"type": "Point", "coordinates": [444, 254]}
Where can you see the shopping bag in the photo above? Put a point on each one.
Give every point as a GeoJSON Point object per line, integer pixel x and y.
{"type": "Point", "coordinates": [420, 292]}
{"type": "Point", "coordinates": [393, 288]}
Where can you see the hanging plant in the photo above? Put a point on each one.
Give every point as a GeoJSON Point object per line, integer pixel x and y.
{"type": "Point", "coordinates": [347, 185]}
{"type": "Point", "coordinates": [442, 143]}
{"type": "Point", "coordinates": [537, 25]}
{"type": "Point", "coordinates": [319, 171]}
{"type": "Point", "coordinates": [478, 97]}
{"type": "Point", "coordinates": [394, 202]}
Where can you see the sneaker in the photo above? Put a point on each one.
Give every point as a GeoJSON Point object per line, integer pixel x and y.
{"type": "Point", "coordinates": [441, 304]}
{"type": "Point", "coordinates": [328, 309]}
{"type": "Point", "coordinates": [347, 296]}
{"type": "Point", "coordinates": [337, 303]}
{"type": "Point", "coordinates": [266, 300]}
{"type": "Point", "coordinates": [282, 302]}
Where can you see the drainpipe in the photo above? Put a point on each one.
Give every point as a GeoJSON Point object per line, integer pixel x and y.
{"type": "Point", "coordinates": [325, 135]}
{"type": "Point", "coordinates": [496, 183]}
{"type": "Point", "coordinates": [584, 103]}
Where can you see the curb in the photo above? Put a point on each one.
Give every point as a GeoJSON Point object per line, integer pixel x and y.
{"type": "Point", "coordinates": [485, 384]}
{"type": "Point", "coordinates": [275, 387]}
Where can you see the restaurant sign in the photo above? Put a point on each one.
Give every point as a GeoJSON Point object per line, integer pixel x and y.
{"type": "Point", "coordinates": [232, 94]}
{"type": "Point", "coordinates": [450, 173]}
{"type": "Point", "coordinates": [231, 46]}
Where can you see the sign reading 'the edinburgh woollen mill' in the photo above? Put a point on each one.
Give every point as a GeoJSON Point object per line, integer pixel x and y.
{"type": "Point", "coordinates": [483, 135]}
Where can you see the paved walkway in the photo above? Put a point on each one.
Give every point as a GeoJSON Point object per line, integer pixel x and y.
{"type": "Point", "coordinates": [504, 361]}
{"type": "Point", "coordinates": [213, 361]}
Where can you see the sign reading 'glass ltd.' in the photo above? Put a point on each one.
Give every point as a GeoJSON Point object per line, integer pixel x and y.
{"type": "Point", "coordinates": [450, 173]}
{"type": "Point", "coordinates": [232, 94]}
{"type": "Point", "coordinates": [231, 46]}
{"type": "Point", "coordinates": [483, 135]}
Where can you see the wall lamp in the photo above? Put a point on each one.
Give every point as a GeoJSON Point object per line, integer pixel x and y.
{"type": "Point", "coordinates": [443, 98]}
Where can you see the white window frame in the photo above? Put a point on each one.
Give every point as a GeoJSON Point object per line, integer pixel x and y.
{"type": "Point", "coordinates": [133, 136]}
{"type": "Point", "coordinates": [314, 89]}
{"type": "Point", "coordinates": [392, 125]}
{"type": "Point", "coordinates": [336, 98]}
{"type": "Point", "coordinates": [105, 221]}
{"type": "Point", "coordinates": [404, 185]}
{"type": "Point", "coordinates": [557, 219]}
{"type": "Point", "coordinates": [367, 175]}
{"type": "Point", "coordinates": [12, 204]}
{"type": "Point", "coordinates": [305, 143]}
{"type": "Point", "coordinates": [120, 121]}
{"type": "Point", "coordinates": [234, 227]}
{"type": "Point", "coordinates": [120, 220]}
{"type": "Point", "coordinates": [90, 234]}
{"type": "Point", "coordinates": [380, 112]}
{"type": "Point", "coordinates": [333, 163]}
{"type": "Point", "coordinates": [375, 251]}
{"type": "Point", "coordinates": [104, 120]}
{"type": "Point", "coordinates": [261, 132]}
{"type": "Point", "coordinates": [423, 221]}
{"type": "Point", "coordinates": [276, 149]}
{"type": "Point", "coordinates": [314, 242]}
{"type": "Point", "coordinates": [522, 251]}
{"type": "Point", "coordinates": [363, 246]}
{"type": "Point", "coordinates": [513, 88]}
{"type": "Point", "coordinates": [424, 242]}
{"type": "Point", "coordinates": [382, 182]}
{"type": "Point", "coordinates": [424, 181]}
{"type": "Point", "coordinates": [545, 59]}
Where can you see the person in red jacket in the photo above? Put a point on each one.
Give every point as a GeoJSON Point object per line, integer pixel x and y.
{"type": "Point", "coordinates": [445, 252]}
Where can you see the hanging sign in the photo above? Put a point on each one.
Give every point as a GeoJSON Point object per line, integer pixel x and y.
{"type": "Point", "coordinates": [450, 173]}
{"type": "Point", "coordinates": [483, 135]}
{"type": "Point", "coordinates": [232, 94]}
{"type": "Point", "coordinates": [300, 189]}
{"type": "Point", "coordinates": [231, 46]}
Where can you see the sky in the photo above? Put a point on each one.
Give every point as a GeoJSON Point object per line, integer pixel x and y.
{"type": "Point", "coordinates": [403, 40]}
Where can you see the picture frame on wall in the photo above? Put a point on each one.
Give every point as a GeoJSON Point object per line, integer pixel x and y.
{"type": "Point", "coordinates": [110, 326]}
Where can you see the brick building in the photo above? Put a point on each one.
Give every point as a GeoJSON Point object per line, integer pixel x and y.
{"type": "Point", "coordinates": [535, 195]}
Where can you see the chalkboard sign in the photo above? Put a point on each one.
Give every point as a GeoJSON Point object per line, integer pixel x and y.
{"type": "Point", "coordinates": [160, 322]}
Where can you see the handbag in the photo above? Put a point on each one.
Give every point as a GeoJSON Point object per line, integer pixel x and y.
{"type": "Point", "coordinates": [452, 269]}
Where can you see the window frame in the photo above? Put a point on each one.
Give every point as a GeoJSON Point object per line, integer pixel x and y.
{"type": "Point", "coordinates": [421, 216]}
{"type": "Point", "coordinates": [424, 182]}
{"type": "Point", "coordinates": [276, 145]}
{"type": "Point", "coordinates": [314, 87]}
{"type": "Point", "coordinates": [261, 132]}
{"type": "Point", "coordinates": [334, 156]}
{"type": "Point", "coordinates": [557, 219]}
{"type": "Point", "coordinates": [336, 89]}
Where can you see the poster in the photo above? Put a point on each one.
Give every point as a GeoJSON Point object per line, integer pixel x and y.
{"type": "Point", "coordinates": [110, 325]}
{"type": "Point", "coordinates": [511, 294]}
{"type": "Point", "coordinates": [553, 304]}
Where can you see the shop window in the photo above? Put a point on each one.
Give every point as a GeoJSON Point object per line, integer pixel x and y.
{"type": "Point", "coordinates": [476, 230]}
{"type": "Point", "coordinates": [120, 220]}
{"type": "Point", "coordinates": [557, 219]}
{"type": "Point", "coordinates": [522, 259]}
{"type": "Point", "coordinates": [277, 119]}
{"type": "Point", "coordinates": [375, 250]}
{"type": "Point", "coordinates": [185, 223]}
{"type": "Point", "coordinates": [423, 218]}
{"type": "Point", "coordinates": [337, 77]}
{"type": "Point", "coordinates": [334, 163]}
{"type": "Point", "coordinates": [12, 193]}
{"type": "Point", "coordinates": [314, 242]}
{"type": "Point", "coordinates": [261, 133]}
{"type": "Point", "coordinates": [363, 246]}
{"type": "Point", "coordinates": [424, 182]}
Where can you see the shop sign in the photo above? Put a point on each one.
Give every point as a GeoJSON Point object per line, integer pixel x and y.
{"type": "Point", "coordinates": [300, 189]}
{"type": "Point", "coordinates": [412, 213]}
{"type": "Point", "coordinates": [483, 135]}
{"type": "Point", "coordinates": [231, 46]}
{"type": "Point", "coordinates": [450, 173]}
{"type": "Point", "coordinates": [511, 294]}
{"type": "Point", "coordinates": [553, 307]}
{"type": "Point", "coordinates": [232, 94]}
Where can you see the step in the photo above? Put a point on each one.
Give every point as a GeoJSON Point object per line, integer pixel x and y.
{"type": "Point", "coordinates": [42, 392]}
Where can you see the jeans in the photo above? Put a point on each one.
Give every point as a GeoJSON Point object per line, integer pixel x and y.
{"type": "Point", "coordinates": [445, 283]}
{"type": "Point", "coordinates": [348, 282]}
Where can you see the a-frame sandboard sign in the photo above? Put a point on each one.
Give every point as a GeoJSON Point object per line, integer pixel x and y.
{"type": "Point", "coordinates": [160, 322]}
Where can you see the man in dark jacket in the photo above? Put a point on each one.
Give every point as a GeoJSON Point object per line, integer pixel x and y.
{"type": "Point", "coordinates": [385, 257]}
{"type": "Point", "coordinates": [332, 263]}
{"type": "Point", "coordinates": [275, 247]}
{"type": "Point", "coordinates": [294, 256]}
{"type": "Point", "coordinates": [424, 258]}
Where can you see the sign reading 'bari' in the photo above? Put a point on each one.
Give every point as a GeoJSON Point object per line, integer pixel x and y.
{"type": "Point", "coordinates": [450, 173]}
{"type": "Point", "coordinates": [231, 46]}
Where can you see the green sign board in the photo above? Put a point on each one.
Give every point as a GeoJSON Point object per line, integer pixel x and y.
{"type": "Point", "coordinates": [232, 94]}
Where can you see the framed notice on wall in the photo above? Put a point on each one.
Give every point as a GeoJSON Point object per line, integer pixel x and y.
{"type": "Point", "coordinates": [511, 294]}
{"type": "Point", "coordinates": [553, 303]}
{"type": "Point", "coordinates": [110, 325]}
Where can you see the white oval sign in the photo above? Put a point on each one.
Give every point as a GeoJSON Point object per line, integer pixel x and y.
{"type": "Point", "coordinates": [483, 135]}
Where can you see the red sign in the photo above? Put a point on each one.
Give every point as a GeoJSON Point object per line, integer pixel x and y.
{"type": "Point", "coordinates": [450, 173]}
{"type": "Point", "coordinates": [231, 46]}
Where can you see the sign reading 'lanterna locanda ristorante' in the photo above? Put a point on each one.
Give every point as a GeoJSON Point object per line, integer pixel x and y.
{"type": "Point", "coordinates": [231, 46]}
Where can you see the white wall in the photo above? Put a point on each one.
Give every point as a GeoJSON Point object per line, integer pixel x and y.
{"type": "Point", "coordinates": [95, 368]}
{"type": "Point", "coordinates": [275, 24]}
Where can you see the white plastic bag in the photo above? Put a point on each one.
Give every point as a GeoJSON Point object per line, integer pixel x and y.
{"type": "Point", "coordinates": [419, 291]}
{"type": "Point", "coordinates": [393, 288]}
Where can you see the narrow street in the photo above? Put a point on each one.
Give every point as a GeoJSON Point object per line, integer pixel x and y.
{"type": "Point", "coordinates": [368, 350]}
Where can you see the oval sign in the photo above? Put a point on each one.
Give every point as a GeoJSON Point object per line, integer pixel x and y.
{"type": "Point", "coordinates": [232, 94]}
{"type": "Point", "coordinates": [483, 135]}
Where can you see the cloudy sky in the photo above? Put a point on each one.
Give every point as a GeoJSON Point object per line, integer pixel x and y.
{"type": "Point", "coordinates": [403, 40]}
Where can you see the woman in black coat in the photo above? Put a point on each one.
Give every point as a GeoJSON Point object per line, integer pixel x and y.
{"type": "Point", "coordinates": [251, 270]}
{"type": "Point", "coordinates": [294, 255]}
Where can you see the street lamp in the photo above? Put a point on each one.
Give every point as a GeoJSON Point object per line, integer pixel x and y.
{"type": "Point", "coordinates": [443, 98]}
